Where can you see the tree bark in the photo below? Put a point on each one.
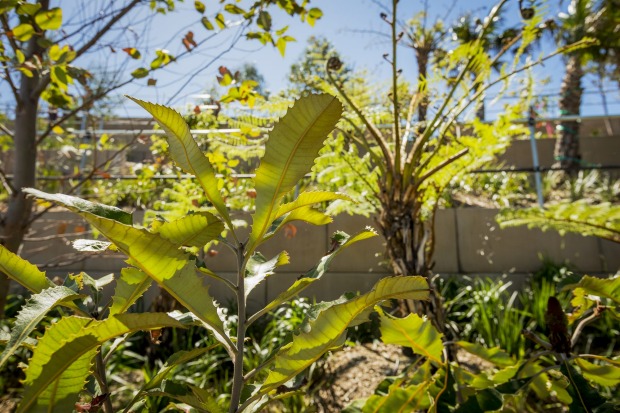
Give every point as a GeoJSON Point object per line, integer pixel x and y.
{"type": "Point", "coordinates": [19, 208]}
{"type": "Point", "coordinates": [567, 153]}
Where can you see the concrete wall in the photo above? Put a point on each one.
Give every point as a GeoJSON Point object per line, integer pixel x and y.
{"type": "Point", "coordinates": [599, 150]}
{"type": "Point", "coordinates": [468, 242]}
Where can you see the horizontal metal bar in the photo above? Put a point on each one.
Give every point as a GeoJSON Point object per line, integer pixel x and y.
{"type": "Point", "coordinates": [546, 169]}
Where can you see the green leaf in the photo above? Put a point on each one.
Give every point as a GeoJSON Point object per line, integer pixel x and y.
{"type": "Point", "coordinates": [327, 329]}
{"type": "Point", "coordinates": [32, 313]}
{"type": "Point", "coordinates": [186, 153]}
{"type": "Point", "coordinates": [341, 241]}
{"type": "Point", "coordinates": [607, 374]}
{"type": "Point", "coordinates": [23, 32]}
{"type": "Point", "coordinates": [602, 287]}
{"type": "Point", "coordinates": [194, 396]}
{"type": "Point", "coordinates": [412, 398]}
{"type": "Point", "coordinates": [207, 23]}
{"type": "Point", "coordinates": [313, 15]}
{"type": "Point", "coordinates": [199, 6]}
{"type": "Point", "coordinates": [414, 332]}
{"type": "Point", "coordinates": [49, 19]}
{"type": "Point", "coordinates": [129, 287]}
{"type": "Point", "coordinates": [140, 72]}
{"type": "Point", "coordinates": [585, 397]}
{"type": "Point", "coordinates": [79, 205]}
{"type": "Point", "coordinates": [25, 273]}
{"type": "Point", "coordinates": [161, 260]}
{"type": "Point", "coordinates": [220, 20]}
{"type": "Point", "coordinates": [234, 9]}
{"type": "Point", "coordinates": [177, 359]}
{"type": "Point", "coordinates": [194, 230]}
{"type": "Point", "coordinates": [293, 145]}
{"type": "Point", "coordinates": [259, 268]}
{"type": "Point", "coordinates": [482, 401]}
{"type": "Point", "coordinates": [494, 355]}
{"type": "Point", "coordinates": [28, 9]}
{"type": "Point", "coordinates": [73, 337]}
{"type": "Point", "coordinates": [308, 199]}
{"type": "Point", "coordinates": [264, 20]}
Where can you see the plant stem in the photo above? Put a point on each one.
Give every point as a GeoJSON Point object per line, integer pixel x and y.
{"type": "Point", "coordinates": [103, 383]}
{"type": "Point", "coordinates": [238, 361]}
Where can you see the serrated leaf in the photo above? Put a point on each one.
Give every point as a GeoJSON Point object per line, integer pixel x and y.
{"type": "Point", "coordinates": [73, 337]}
{"type": "Point", "coordinates": [323, 333]}
{"type": "Point", "coordinates": [194, 230]}
{"type": "Point", "coordinates": [293, 145]}
{"type": "Point", "coordinates": [161, 260]}
{"type": "Point", "coordinates": [607, 374]}
{"type": "Point", "coordinates": [413, 332]}
{"type": "Point", "coordinates": [49, 19]}
{"type": "Point", "coordinates": [259, 269]}
{"type": "Point", "coordinates": [131, 285]}
{"type": "Point", "coordinates": [186, 153]}
{"type": "Point", "coordinates": [32, 313]}
{"type": "Point", "coordinates": [22, 271]}
{"type": "Point", "coordinates": [76, 204]}
{"type": "Point", "coordinates": [319, 270]}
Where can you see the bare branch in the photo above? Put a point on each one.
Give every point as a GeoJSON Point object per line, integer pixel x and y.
{"type": "Point", "coordinates": [93, 41]}
{"type": "Point", "coordinates": [6, 183]}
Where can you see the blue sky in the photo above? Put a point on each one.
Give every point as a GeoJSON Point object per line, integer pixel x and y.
{"type": "Point", "coordinates": [349, 24]}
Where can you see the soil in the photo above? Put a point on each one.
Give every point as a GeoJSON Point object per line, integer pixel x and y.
{"type": "Point", "coordinates": [355, 372]}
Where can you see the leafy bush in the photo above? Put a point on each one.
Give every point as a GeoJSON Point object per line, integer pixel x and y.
{"type": "Point", "coordinates": [70, 351]}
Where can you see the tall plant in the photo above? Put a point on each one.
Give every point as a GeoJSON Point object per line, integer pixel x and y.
{"type": "Point", "coordinates": [62, 358]}
{"type": "Point", "coordinates": [405, 172]}
{"type": "Point", "coordinates": [597, 19]}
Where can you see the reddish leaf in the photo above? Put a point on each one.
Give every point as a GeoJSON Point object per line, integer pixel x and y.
{"type": "Point", "coordinates": [151, 82]}
{"type": "Point", "coordinates": [197, 110]}
{"type": "Point", "coordinates": [290, 231]}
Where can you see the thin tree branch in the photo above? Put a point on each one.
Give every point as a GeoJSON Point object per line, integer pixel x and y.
{"type": "Point", "coordinates": [6, 183]}
{"type": "Point", "coordinates": [441, 165]}
{"type": "Point", "coordinates": [93, 41]}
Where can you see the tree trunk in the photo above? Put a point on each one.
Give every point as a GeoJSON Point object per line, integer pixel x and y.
{"type": "Point", "coordinates": [14, 225]}
{"type": "Point", "coordinates": [422, 56]}
{"type": "Point", "coordinates": [409, 247]}
{"type": "Point", "coordinates": [567, 153]}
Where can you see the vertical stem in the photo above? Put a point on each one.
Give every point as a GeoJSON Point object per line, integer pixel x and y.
{"type": "Point", "coordinates": [238, 362]}
{"type": "Point", "coordinates": [103, 383]}
{"type": "Point", "coordinates": [395, 93]}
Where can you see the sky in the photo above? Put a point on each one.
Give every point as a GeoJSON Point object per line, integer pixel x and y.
{"type": "Point", "coordinates": [351, 25]}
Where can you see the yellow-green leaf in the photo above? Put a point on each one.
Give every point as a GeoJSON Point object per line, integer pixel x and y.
{"type": "Point", "coordinates": [49, 19]}
{"type": "Point", "coordinates": [129, 287]}
{"type": "Point", "coordinates": [187, 154]}
{"type": "Point", "coordinates": [328, 328]}
{"type": "Point", "coordinates": [23, 32]}
{"type": "Point", "coordinates": [293, 145]}
{"type": "Point", "coordinates": [194, 230]}
{"type": "Point", "coordinates": [606, 374]}
{"type": "Point", "coordinates": [20, 270]}
{"type": "Point", "coordinates": [73, 337]}
{"type": "Point", "coordinates": [414, 332]}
